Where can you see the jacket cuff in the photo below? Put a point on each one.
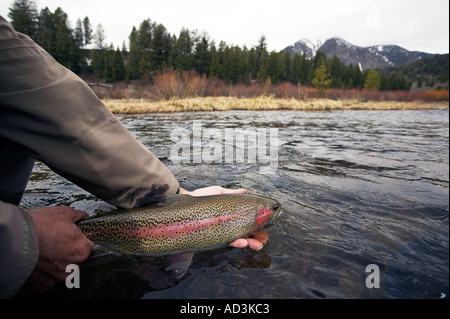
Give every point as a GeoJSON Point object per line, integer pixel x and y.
{"type": "Point", "coordinates": [19, 248]}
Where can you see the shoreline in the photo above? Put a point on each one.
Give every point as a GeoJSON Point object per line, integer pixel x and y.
{"type": "Point", "coordinates": [262, 103]}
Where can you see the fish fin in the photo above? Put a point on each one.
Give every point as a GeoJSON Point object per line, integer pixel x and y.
{"type": "Point", "coordinates": [179, 264]}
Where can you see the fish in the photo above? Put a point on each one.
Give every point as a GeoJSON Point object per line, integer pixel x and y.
{"type": "Point", "coordinates": [180, 223]}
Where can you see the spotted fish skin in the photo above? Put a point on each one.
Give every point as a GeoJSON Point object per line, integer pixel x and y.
{"type": "Point", "coordinates": [184, 223]}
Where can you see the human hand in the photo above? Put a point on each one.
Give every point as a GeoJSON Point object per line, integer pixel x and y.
{"type": "Point", "coordinates": [61, 243]}
{"type": "Point", "coordinates": [212, 190]}
{"type": "Point", "coordinates": [256, 239]}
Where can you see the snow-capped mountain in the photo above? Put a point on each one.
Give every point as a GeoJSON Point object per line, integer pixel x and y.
{"type": "Point", "coordinates": [303, 46]}
{"type": "Point", "coordinates": [379, 56]}
{"type": "Point", "coordinates": [397, 56]}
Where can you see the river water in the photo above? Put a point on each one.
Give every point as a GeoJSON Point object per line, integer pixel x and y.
{"type": "Point", "coordinates": [357, 188]}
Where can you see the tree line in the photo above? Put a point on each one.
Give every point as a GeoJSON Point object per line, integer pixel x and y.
{"type": "Point", "coordinates": [152, 49]}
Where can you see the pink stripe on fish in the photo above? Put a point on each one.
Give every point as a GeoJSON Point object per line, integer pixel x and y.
{"type": "Point", "coordinates": [172, 230]}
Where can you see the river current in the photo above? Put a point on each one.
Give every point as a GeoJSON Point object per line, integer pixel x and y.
{"type": "Point", "coordinates": [365, 198]}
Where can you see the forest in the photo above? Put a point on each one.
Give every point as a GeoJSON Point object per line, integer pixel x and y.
{"type": "Point", "coordinates": [152, 51]}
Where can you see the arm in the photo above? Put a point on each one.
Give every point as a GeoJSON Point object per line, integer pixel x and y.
{"type": "Point", "coordinates": [53, 116]}
{"type": "Point", "coordinates": [48, 113]}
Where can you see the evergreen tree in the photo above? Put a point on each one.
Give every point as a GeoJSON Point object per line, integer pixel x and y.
{"type": "Point", "coordinates": [373, 80]}
{"type": "Point", "coordinates": [356, 76]}
{"type": "Point", "coordinates": [263, 71]}
{"type": "Point", "coordinates": [295, 69]}
{"type": "Point", "coordinates": [114, 69]}
{"type": "Point", "coordinates": [261, 49]}
{"type": "Point", "coordinates": [78, 34]}
{"type": "Point", "coordinates": [319, 58]}
{"type": "Point", "coordinates": [276, 67]}
{"type": "Point", "coordinates": [159, 48]}
{"type": "Point", "coordinates": [87, 32]}
{"type": "Point", "coordinates": [287, 66]}
{"type": "Point", "coordinates": [336, 72]}
{"type": "Point", "coordinates": [144, 40]}
{"type": "Point", "coordinates": [48, 28]}
{"type": "Point", "coordinates": [134, 56]}
{"type": "Point", "coordinates": [215, 68]}
{"type": "Point", "coordinates": [24, 17]}
{"type": "Point", "coordinates": [59, 40]}
{"type": "Point", "coordinates": [321, 79]}
{"type": "Point", "coordinates": [202, 55]}
{"type": "Point", "coordinates": [183, 51]}
{"type": "Point", "coordinates": [118, 66]}
{"type": "Point", "coordinates": [253, 64]}
{"type": "Point", "coordinates": [306, 70]}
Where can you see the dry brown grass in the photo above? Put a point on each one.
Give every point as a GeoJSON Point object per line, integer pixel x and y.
{"type": "Point", "coordinates": [260, 103]}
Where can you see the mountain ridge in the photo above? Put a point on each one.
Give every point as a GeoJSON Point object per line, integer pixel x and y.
{"type": "Point", "coordinates": [375, 56]}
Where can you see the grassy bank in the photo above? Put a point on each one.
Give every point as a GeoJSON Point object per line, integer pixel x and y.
{"type": "Point", "coordinates": [260, 103]}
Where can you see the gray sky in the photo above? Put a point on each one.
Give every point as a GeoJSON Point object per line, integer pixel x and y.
{"type": "Point", "coordinates": [416, 25]}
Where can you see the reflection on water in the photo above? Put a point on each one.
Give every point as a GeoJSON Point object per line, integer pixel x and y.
{"type": "Point", "coordinates": [357, 188]}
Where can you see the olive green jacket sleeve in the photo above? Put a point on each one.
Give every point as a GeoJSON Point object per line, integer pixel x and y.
{"type": "Point", "coordinates": [49, 114]}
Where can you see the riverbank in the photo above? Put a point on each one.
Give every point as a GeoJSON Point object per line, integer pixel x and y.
{"type": "Point", "coordinates": [130, 106]}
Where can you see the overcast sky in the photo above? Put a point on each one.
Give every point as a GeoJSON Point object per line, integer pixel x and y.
{"type": "Point", "coordinates": [416, 25]}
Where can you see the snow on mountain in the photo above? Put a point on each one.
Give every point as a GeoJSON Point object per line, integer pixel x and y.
{"type": "Point", "coordinates": [378, 56]}
{"type": "Point", "coordinates": [303, 46]}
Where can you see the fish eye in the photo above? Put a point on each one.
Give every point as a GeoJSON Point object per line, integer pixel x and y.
{"type": "Point", "coordinates": [276, 206]}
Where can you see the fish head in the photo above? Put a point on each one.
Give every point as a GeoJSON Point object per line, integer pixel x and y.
{"type": "Point", "coordinates": [269, 210]}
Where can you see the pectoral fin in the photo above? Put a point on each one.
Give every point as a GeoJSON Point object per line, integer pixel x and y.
{"type": "Point", "coordinates": [179, 264]}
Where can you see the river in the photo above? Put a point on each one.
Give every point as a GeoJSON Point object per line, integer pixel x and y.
{"type": "Point", "coordinates": [365, 197]}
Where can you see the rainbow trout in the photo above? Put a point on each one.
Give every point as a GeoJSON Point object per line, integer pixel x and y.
{"type": "Point", "coordinates": [181, 223]}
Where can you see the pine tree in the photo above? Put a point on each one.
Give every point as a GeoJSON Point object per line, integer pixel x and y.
{"type": "Point", "coordinates": [373, 80]}
{"type": "Point", "coordinates": [118, 66]}
{"type": "Point", "coordinates": [263, 72]}
{"type": "Point", "coordinates": [321, 79]}
{"type": "Point", "coordinates": [48, 29]}
{"type": "Point", "coordinates": [183, 51]}
{"type": "Point", "coordinates": [87, 32]}
{"type": "Point", "coordinates": [78, 33]}
{"type": "Point", "coordinates": [202, 56]}
{"type": "Point", "coordinates": [143, 41]}
{"type": "Point", "coordinates": [24, 17]}
{"type": "Point", "coordinates": [215, 67]}
{"type": "Point", "coordinates": [67, 52]}
{"type": "Point", "coordinates": [132, 66]}
{"type": "Point", "coordinates": [306, 70]}
{"type": "Point", "coordinates": [336, 71]}
{"type": "Point", "coordinates": [159, 48]}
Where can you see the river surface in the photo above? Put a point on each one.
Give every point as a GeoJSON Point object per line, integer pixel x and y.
{"type": "Point", "coordinates": [357, 188]}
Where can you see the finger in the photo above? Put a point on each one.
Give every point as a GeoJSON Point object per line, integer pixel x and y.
{"type": "Point", "coordinates": [254, 244]}
{"type": "Point", "coordinates": [89, 246]}
{"type": "Point", "coordinates": [76, 215]}
{"type": "Point", "coordinates": [83, 253]}
{"type": "Point", "coordinates": [235, 191]}
{"type": "Point", "coordinates": [239, 243]}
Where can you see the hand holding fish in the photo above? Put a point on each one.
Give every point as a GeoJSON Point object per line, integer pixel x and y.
{"type": "Point", "coordinates": [61, 243]}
